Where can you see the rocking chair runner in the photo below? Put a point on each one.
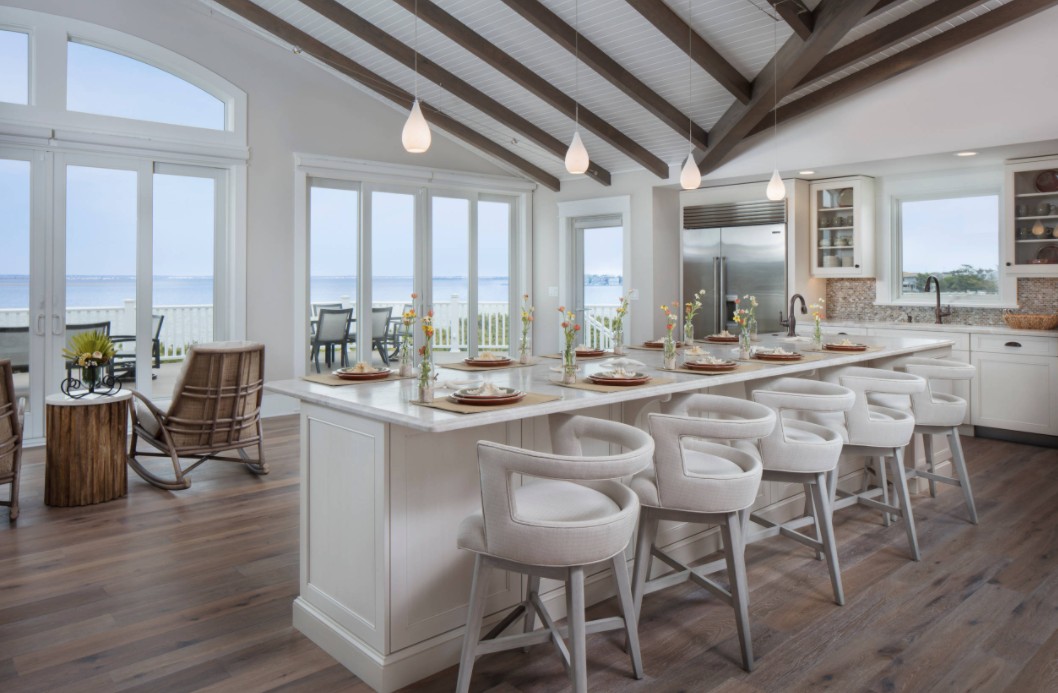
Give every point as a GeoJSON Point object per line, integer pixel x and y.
{"type": "Point", "coordinates": [11, 413]}
{"type": "Point", "coordinates": [216, 407]}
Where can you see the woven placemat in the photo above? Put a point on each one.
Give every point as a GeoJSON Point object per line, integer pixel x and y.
{"type": "Point", "coordinates": [842, 353]}
{"type": "Point", "coordinates": [604, 355]}
{"type": "Point", "coordinates": [806, 356]}
{"type": "Point", "coordinates": [743, 366]}
{"type": "Point", "coordinates": [335, 381]}
{"type": "Point", "coordinates": [460, 366]}
{"type": "Point", "coordinates": [442, 402]}
{"type": "Point", "coordinates": [585, 384]}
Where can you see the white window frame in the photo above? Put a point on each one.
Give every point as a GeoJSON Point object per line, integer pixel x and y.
{"type": "Point", "coordinates": [423, 182]}
{"type": "Point", "coordinates": [935, 186]}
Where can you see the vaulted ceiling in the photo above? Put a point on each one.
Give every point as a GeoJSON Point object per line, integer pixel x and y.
{"type": "Point", "coordinates": [501, 74]}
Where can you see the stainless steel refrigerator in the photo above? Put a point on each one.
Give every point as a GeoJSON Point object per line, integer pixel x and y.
{"type": "Point", "coordinates": [735, 250]}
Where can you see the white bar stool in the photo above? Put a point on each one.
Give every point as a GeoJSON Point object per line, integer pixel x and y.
{"type": "Point", "coordinates": [551, 526]}
{"type": "Point", "coordinates": [697, 479]}
{"type": "Point", "coordinates": [802, 452]}
{"type": "Point", "coordinates": [873, 430]}
{"type": "Point", "coordinates": [940, 413]}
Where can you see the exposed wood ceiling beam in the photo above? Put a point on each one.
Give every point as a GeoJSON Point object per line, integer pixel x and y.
{"type": "Point", "coordinates": [532, 82]}
{"type": "Point", "coordinates": [912, 57]}
{"type": "Point", "coordinates": [882, 6]}
{"type": "Point", "coordinates": [404, 54]}
{"type": "Point", "coordinates": [339, 61]}
{"type": "Point", "coordinates": [795, 58]}
{"type": "Point", "coordinates": [888, 36]}
{"type": "Point", "coordinates": [564, 35]}
{"type": "Point", "coordinates": [676, 30]}
{"type": "Point", "coordinates": [795, 14]}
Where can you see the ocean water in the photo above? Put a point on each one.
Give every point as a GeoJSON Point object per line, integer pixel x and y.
{"type": "Point", "coordinates": [99, 291]}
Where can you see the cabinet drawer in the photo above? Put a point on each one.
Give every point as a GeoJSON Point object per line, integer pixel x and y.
{"type": "Point", "coordinates": [1016, 344]}
{"type": "Point", "coordinates": [960, 340]}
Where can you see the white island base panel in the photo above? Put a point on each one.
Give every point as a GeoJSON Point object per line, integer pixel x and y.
{"type": "Point", "coordinates": [385, 484]}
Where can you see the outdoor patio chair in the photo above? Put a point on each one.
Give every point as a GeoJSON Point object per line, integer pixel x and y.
{"type": "Point", "coordinates": [316, 307]}
{"type": "Point", "coordinates": [14, 346]}
{"type": "Point", "coordinates": [125, 363]}
{"type": "Point", "coordinates": [11, 414]}
{"type": "Point", "coordinates": [380, 325]}
{"type": "Point", "coordinates": [332, 329]}
{"type": "Point", "coordinates": [216, 408]}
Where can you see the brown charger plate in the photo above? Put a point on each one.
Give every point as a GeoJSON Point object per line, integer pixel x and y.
{"type": "Point", "coordinates": [589, 353]}
{"type": "Point", "coordinates": [721, 339]}
{"type": "Point", "coordinates": [488, 401]}
{"type": "Point", "coordinates": [845, 347]}
{"type": "Point", "coordinates": [778, 357]}
{"type": "Point", "coordinates": [710, 367]}
{"type": "Point", "coordinates": [600, 379]}
{"type": "Point", "coordinates": [659, 344]}
{"type": "Point", "coordinates": [1047, 255]}
{"type": "Point", "coordinates": [1047, 181]}
{"type": "Point", "coordinates": [488, 362]}
{"type": "Point", "coordinates": [380, 374]}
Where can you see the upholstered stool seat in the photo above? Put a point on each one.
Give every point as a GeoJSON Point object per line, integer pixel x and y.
{"type": "Point", "coordinates": [873, 430]}
{"type": "Point", "coordinates": [805, 453]}
{"type": "Point", "coordinates": [549, 515]}
{"type": "Point", "coordinates": [699, 477]}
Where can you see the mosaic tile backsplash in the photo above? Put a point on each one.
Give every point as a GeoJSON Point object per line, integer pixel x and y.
{"type": "Point", "coordinates": [853, 299]}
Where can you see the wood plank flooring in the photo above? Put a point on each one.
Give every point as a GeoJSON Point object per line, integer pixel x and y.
{"type": "Point", "coordinates": [192, 591]}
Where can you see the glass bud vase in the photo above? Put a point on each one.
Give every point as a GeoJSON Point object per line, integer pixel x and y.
{"type": "Point", "coordinates": [407, 364]}
{"type": "Point", "coordinates": [753, 330]}
{"type": "Point", "coordinates": [817, 338]}
{"type": "Point", "coordinates": [619, 348]}
{"type": "Point", "coordinates": [426, 379]}
{"type": "Point", "coordinates": [669, 362]}
{"type": "Point", "coordinates": [569, 367]}
{"type": "Point", "coordinates": [524, 351]}
{"type": "Point", "coordinates": [688, 333]}
{"type": "Point", "coordinates": [744, 344]}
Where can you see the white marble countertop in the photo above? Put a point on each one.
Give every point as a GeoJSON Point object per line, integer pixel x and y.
{"type": "Point", "coordinates": [391, 401]}
{"type": "Point", "coordinates": [933, 327]}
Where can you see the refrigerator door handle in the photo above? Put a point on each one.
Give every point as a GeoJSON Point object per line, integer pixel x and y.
{"type": "Point", "coordinates": [721, 311]}
{"type": "Point", "coordinates": [717, 303]}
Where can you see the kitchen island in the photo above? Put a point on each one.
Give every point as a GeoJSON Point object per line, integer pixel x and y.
{"type": "Point", "coordinates": [385, 483]}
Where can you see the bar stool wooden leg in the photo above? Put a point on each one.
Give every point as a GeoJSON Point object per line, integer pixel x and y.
{"type": "Point", "coordinates": [628, 611]}
{"type": "Point", "coordinates": [645, 536]}
{"type": "Point", "coordinates": [927, 447]}
{"type": "Point", "coordinates": [734, 553]}
{"type": "Point", "coordinates": [825, 528]}
{"type": "Point", "coordinates": [900, 487]}
{"type": "Point", "coordinates": [959, 460]}
{"type": "Point", "coordinates": [532, 587]}
{"type": "Point", "coordinates": [478, 593]}
{"type": "Point", "coordinates": [578, 661]}
{"type": "Point", "coordinates": [884, 483]}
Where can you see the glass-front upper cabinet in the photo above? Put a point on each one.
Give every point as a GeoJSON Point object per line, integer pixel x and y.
{"type": "Point", "coordinates": [1032, 216]}
{"type": "Point", "coordinates": [843, 227]}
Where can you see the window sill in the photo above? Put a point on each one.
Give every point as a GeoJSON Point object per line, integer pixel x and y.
{"type": "Point", "coordinates": [1004, 305]}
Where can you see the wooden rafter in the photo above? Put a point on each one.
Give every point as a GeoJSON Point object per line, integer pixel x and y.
{"type": "Point", "coordinates": [564, 35]}
{"type": "Point", "coordinates": [339, 61]}
{"type": "Point", "coordinates": [912, 57]}
{"type": "Point", "coordinates": [404, 54]}
{"type": "Point", "coordinates": [794, 13]}
{"type": "Point", "coordinates": [888, 36]}
{"type": "Point", "coordinates": [532, 82]}
{"type": "Point", "coordinates": [676, 30]}
{"type": "Point", "coordinates": [796, 57]}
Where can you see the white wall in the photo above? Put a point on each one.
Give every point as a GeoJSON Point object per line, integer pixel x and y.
{"type": "Point", "coordinates": [294, 106]}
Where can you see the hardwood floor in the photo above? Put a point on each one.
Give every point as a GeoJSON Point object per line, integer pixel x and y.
{"type": "Point", "coordinates": [192, 591]}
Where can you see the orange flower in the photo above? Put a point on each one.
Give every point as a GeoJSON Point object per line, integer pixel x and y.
{"type": "Point", "coordinates": [565, 325]}
{"type": "Point", "coordinates": [576, 328]}
{"type": "Point", "coordinates": [415, 295]}
{"type": "Point", "coordinates": [561, 309]}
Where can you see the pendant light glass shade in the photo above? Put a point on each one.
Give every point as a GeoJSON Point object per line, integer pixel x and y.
{"type": "Point", "coordinates": [776, 188]}
{"type": "Point", "coordinates": [690, 176]}
{"type": "Point", "coordinates": [576, 155]}
{"type": "Point", "coordinates": [416, 134]}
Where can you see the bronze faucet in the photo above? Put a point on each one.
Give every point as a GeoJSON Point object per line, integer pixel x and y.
{"type": "Point", "coordinates": [792, 322]}
{"type": "Point", "coordinates": [936, 311]}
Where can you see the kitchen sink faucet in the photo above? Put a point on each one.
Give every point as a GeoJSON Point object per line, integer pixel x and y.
{"type": "Point", "coordinates": [936, 311]}
{"type": "Point", "coordinates": [792, 322]}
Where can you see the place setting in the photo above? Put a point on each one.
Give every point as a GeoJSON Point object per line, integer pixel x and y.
{"type": "Point", "coordinates": [584, 352]}
{"type": "Point", "coordinates": [654, 345]}
{"type": "Point", "coordinates": [615, 376]}
{"type": "Point", "coordinates": [486, 361]}
{"type": "Point", "coordinates": [781, 355]}
{"type": "Point", "coordinates": [362, 372]}
{"type": "Point", "coordinates": [484, 396]}
{"type": "Point", "coordinates": [702, 362]}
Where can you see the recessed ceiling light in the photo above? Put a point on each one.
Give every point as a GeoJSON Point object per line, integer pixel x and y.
{"type": "Point", "coordinates": [806, 173]}
{"type": "Point", "coordinates": [965, 153]}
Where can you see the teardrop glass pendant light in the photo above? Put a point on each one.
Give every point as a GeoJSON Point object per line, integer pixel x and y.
{"type": "Point", "coordinates": [416, 135]}
{"type": "Point", "coordinates": [776, 188]}
{"type": "Point", "coordinates": [577, 155]}
{"type": "Point", "coordinates": [691, 175]}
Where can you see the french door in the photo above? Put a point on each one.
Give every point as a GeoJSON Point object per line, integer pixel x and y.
{"type": "Point", "coordinates": [126, 246]}
{"type": "Point", "coordinates": [598, 268]}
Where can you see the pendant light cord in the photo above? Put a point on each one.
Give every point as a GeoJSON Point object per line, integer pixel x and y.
{"type": "Point", "coordinates": [690, 98]}
{"type": "Point", "coordinates": [774, 89]}
{"type": "Point", "coordinates": [576, 63]}
{"type": "Point", "coordinates": [416, 52]}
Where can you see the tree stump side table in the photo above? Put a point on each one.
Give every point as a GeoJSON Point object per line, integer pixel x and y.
{"type": "Point", "coordinates": [86, 441]}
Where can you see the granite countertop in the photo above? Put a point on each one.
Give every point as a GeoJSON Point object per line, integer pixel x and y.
{"type": "Point", "coordinates": [391, 401]}
{"type": "Point", "coordinates": [933, 327]}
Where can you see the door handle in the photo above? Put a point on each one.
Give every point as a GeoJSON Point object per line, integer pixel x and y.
{"type": "Point", "coordinates": [717, 305]}
{"type": "Point", "coordinates": [40, 325]}
{"type": "Point", "coordinates": [56, 324]}
{"type": "Point", "coordinates": [1013, 344]}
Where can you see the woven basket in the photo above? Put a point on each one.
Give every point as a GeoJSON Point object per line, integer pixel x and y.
{"type": "Point", "coordinates": [1031, 321]}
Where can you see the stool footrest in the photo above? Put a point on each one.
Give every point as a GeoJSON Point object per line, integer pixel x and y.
{"type": "Point", "coordinates": [683, 573]}
{"type": "Point", "coordinates": [919, 473]}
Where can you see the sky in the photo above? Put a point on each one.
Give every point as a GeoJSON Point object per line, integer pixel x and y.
{"type": "Point", "coordinates": [14, 56]}
{"type": "Point", "coordinates": [942, 235]}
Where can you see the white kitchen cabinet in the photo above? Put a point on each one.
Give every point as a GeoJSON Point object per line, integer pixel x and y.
{"type": "Point", "coordinates": [1031, 219]}
{"type": "Point", "coordinates": [1017, 383]}
{"type": "Point", "coordinates": [842, 213]}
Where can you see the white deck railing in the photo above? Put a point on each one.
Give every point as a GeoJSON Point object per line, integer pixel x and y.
{"type": "Point", "coordinates": [187, 325]}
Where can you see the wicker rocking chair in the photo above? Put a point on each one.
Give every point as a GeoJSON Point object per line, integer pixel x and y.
{"type": "Point", "coordinates": [216, 407]}
{"type": "Point", "coordinates": [10, 436]}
